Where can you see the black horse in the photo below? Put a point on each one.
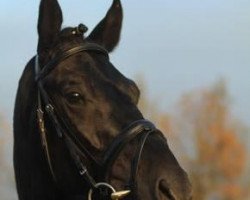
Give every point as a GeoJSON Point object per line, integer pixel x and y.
{"type": "Point", "coordinates": [78, 133]}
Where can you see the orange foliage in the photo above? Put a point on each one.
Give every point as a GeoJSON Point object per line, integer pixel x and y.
{"type": "Point", "coordinates": [206, 139]}
{"type": "Point", "coordinates": [220, 155]}
{"type": "Point", "coordinates": [233, 192]}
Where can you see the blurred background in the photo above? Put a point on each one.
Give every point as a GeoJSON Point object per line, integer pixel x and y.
{"type": "Point", "coordinates": [191, 61]}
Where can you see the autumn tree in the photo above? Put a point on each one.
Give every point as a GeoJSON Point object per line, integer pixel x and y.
{"type": "Point", "coordinates": [216, 155]}
{"type": "Point", "coordinates": [163, 120]}
{"type": "Point", "coordinates": [205, 139]}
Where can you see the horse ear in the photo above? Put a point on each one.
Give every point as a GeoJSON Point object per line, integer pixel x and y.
{"type": "Point", "coordinates": [107, 32]}
{"type": "Point", "coordinates": [49, 24]}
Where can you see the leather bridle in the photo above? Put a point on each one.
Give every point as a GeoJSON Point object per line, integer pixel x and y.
{"type": "Point", "coordinates": [140, 129]}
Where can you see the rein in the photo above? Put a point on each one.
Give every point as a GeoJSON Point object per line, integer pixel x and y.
{"type": "Point", "coordinates": [141, 128]}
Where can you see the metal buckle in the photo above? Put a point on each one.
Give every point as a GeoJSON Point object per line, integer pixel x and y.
{"type": "Point", "coordinates": [114, 195]}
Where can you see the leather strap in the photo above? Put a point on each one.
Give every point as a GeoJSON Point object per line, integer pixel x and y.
{"type": "Point", "coordinates": [129, 133]}
{"type": "Point", "coordinates": [63, 55]}
{"type": "Point", "coordinates": [142, 128]}
{"type": "Point", "coordinates": [135, 164]}
{"type": "Point", "coordinates": [42, 129]}
{"type": "Point", "coordinates": [61, 132]}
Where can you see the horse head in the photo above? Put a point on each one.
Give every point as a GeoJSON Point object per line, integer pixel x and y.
{"type": "Point", "coordinates": [88, 119]}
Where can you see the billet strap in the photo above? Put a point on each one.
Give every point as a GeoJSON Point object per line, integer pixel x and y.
{"type": "Point", "coordinates": [74, 146]}
{"type": "Point", "coordinates": [82, 169]}
{"type": "Point", "coordinates": [63, 129]}
{"type": "Point", "coordinates": [42, 129]}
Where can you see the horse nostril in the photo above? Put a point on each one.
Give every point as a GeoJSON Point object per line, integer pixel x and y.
{"type": "Point", "coordinates": [165, 191]}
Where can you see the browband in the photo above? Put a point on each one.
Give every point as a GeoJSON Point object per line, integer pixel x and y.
{"type": "Point", "coordinates": [62, 56]}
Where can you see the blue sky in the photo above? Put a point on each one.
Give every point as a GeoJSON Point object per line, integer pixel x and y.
{"type": "Point", "coordinates": [178, 45]}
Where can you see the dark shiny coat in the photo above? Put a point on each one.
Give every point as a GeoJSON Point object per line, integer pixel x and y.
{"type": "Point", "coordinates": [99, 102]}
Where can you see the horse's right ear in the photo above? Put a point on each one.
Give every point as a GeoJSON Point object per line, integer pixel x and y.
{"type": "Point", "coordinates": [49, 24]}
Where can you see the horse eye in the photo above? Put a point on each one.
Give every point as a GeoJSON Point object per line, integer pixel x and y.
{"type": "Point", "coordinates": [74, 97]}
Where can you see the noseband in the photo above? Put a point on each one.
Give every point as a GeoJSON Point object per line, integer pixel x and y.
{"type": "Point", "coordinates": [140, 129]}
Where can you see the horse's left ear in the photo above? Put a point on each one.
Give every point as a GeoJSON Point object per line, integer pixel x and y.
{"type": "Point", "coordinates": [107, 32]}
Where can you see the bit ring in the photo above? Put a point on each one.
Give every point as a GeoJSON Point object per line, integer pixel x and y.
{"type": "Point", "coordinates": [99, 185]}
